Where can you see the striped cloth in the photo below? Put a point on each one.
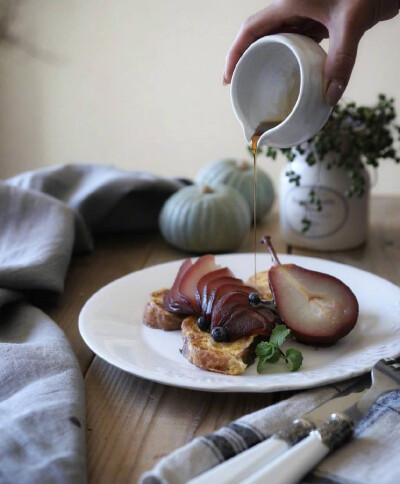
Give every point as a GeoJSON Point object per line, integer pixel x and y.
{"type": "Point", "coordinates": [371, 457]}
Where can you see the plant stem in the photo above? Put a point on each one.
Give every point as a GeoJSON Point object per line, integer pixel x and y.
{"type": "Point", "coordinates": [283, 355]}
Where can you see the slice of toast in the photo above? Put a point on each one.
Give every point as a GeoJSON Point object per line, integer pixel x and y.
{"type": "Point", "coordinates": [202, 351]}
{"type": "Point", "coordinates": [156, 317]}
{"type": "Point", "coordinates": [260, 282]}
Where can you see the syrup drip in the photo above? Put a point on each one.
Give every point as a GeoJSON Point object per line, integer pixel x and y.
{"type": "Point", "coordinates": [254, 141]}
{"type": "Point", "coordinates": [261, 128]}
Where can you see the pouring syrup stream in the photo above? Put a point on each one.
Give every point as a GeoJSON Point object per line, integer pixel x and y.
{"type": "Point", "coordinates": [261, 128]}
{"type": "Point", "coordinates": [254, 141]}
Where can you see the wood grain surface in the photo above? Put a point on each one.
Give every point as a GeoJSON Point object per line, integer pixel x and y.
{"type": "Point", "coordinates": [131, 422]}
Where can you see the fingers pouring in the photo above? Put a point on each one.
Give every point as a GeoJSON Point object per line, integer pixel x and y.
{"type": "Point", "coordinates": [344, 34]}
{"type": "Point", "coordinates": [256, 26]}
{"type": "Point", "coordinates": [279, 16]}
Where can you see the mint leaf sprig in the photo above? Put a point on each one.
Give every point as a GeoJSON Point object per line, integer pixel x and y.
{"type": "Point", "coordinates": [270, 352]}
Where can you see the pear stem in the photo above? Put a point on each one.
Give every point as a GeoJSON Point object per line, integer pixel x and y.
{"type": "Point", "coordinates": [266, 240]}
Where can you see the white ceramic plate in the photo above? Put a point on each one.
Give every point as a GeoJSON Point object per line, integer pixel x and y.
{"type": "Point", "coordinates": [111, 325]}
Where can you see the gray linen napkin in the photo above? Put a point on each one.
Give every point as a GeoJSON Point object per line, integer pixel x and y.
{"type": "Point", "coordinates": [44, 216]}
{"type": "Point", "coordinates": [103, 198]}
{"type": "Point", "coordinates": [371, 457]}
{"type": "Point", "coordinates": [42, 408]}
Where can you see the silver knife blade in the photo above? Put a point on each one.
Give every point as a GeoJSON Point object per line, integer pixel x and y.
{"type": "Point", "coordinates": [385, 378]}
{"type": "Point", "coordinates": [339, 403]}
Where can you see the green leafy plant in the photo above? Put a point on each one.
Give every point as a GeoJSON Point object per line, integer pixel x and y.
{"type": "Point", "coordinates": [358, 136]}
{"type": "Point", "coordinates": [270, 351]}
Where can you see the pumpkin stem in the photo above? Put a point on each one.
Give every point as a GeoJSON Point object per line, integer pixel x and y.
{"type": "Point", "coordinates": [243, 165]}
{"type": "Point", "coordinates": [206, 189]}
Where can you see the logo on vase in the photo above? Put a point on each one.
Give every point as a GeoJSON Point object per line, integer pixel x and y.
{"type": "Point", "coordinates": [324, 222]}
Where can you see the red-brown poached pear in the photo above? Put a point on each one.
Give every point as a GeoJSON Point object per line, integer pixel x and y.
{"type": "Point", "coordinates": [318, 308]}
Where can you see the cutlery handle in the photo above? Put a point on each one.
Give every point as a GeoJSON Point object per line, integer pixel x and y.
{"type": "Point", "coordinates": [243, 464]}
{"type": "Point", "coordinates": [246, 463]}
{"type": "Point", "coordinates": [293, 465]}
{"type": "Point", "coordinates": [290, 467]}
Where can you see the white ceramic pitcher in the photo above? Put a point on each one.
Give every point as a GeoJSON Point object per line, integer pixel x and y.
{"type": "Point", "coordinates": [278, 87]}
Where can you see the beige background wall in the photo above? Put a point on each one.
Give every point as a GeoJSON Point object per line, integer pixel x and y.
{"type": "Point", "coordinates": [137, 83]}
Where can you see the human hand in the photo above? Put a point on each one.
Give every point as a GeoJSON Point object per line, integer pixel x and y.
{"type": "Point", "coordinates": [344, 22]}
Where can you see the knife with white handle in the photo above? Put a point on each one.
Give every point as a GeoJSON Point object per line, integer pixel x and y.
{"type": "Point", "coordinates": [341, 415]}
{"type": "Point", "coordinates": [245, 464]}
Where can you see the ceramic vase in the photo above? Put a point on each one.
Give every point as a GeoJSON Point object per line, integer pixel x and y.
{"type": "Point", "coordinates": [341, 223]}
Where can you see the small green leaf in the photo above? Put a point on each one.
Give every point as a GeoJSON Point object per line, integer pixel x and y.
{"type": "Point", "coordinates": [275, 356]}
{"type": "Point", "coordinates": [272, 357]}
{"type": "Point", "coordinates": [264, 349]}
{"type": "Point", "coordinates": [260, 363]}
{"type": "Point", "coordinates": [279, 335]}
{"type": "Point", "coordinates": [295, 359]}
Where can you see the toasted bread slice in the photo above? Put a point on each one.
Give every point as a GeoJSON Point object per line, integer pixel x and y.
{"type": "Point", "coordinates": [261, 284]}
{"type": "Point", "coordinates": [156, 317]}
{"type": "Point", "coordinates": [228, 358]}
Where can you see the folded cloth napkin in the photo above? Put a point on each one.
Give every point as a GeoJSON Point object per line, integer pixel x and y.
{"type": "Point", "coordinates": [371, 457]}
{"type": "Point", "coordinates": [103, 198]}
{"type": "Point", "coordinates": [44, 216]}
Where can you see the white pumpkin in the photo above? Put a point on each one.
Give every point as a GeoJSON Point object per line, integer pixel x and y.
{"type": "Point", "coordinates": [202, 219]}
{"type": "Point", "coordinates": [239, 175]}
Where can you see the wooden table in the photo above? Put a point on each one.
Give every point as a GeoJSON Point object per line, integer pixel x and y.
{"type": "Point", "coordinates": [131, 422]}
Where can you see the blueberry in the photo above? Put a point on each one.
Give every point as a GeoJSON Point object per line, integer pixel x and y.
{"type": "Point", "coordinates": [219, 334]}
{"type": "Point", "coordinates": [203, 323]}
{"type": "Point", "coordinates": [254, 299]}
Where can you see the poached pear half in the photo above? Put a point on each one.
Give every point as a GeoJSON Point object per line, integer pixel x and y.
{"type": "Point", "coordinates": [317, 307]}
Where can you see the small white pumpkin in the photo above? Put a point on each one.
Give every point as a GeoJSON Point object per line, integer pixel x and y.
{"type": "Point", "coordinates": [239, 175]}
{"type": "Point", "coordinates": [202, 219]}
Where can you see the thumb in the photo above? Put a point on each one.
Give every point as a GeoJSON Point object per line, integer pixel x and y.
{"type": "Point", "coordinates": [340, 62]}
